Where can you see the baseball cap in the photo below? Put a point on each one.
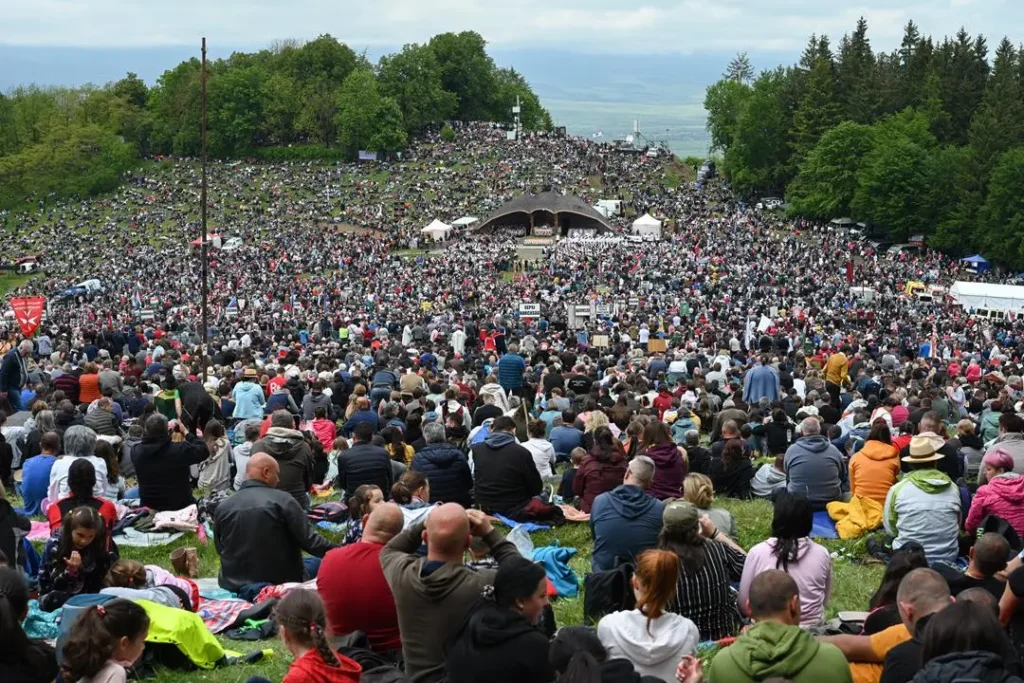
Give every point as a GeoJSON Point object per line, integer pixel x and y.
{"type": "Point", "coordinates": [680, 515]}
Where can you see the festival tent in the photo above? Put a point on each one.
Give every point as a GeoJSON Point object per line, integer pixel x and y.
{"type": "Point", "coordinates": [988, 295]}
{"type": "Point", "coordinates": [464, 221]}
{"type": "Point", "coordinates": [977, 263]}
{"type": "Point", "coordinates": [437, 230]}
{"type": "Point", "coordinates": [844, 222]}
{"type": "Point", "coordinates": [647, 225]}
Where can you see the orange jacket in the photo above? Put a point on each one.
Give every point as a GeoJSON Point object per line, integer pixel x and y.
{"type": "Point", "coordinates": [89, 388]}
{"type": "Point", "coordinates": [873, 470]}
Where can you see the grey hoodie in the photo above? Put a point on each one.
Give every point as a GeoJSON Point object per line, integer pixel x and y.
{"type": "Point", "coordinates": [433, 598]}
{"type": "Point", "coordinates": [815, 467]}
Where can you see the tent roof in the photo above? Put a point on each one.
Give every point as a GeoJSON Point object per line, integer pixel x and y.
{"type": "Point", "coordinates": [465, 220]}
{"type": "Point", "coordinates": [977, 258]}
{"type": "Point", "coordinates": [435, 226]}
{"type": "Point", "coordinates": [647, 219]}
{"type": "Point", "coordinates": [846, 220]}
{"type": "Point", "coordinates": [546, 201]}
{"type": "Point", "coordinates": [987, 291]}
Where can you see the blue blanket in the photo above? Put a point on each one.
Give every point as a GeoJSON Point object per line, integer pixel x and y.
{"type": "Point", "coordinates": [823, 526]}
{"type": "Point", "coordinates": [527, 526]}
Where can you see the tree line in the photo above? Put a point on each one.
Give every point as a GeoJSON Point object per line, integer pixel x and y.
{"type": "Point", "coordinates": [927, 139]}
{"type": "Point", "coordinates": [319, 98]}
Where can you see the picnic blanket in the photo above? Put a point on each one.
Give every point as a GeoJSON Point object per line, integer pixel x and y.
{"type": "Point", "coordinates": [823, 526]}
{"type": "Point", "coordinates": [40, 531]}
{"type": "Point", "coordinates": [146, 539]}
{"type": "Point", "coordinates": [220, 615]}
{"type": "Point", "coordinates": [856, 518]}
{"type": "Point", "coordinates": [527, 526]}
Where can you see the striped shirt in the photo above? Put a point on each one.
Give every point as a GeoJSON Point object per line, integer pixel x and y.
{"type": "Point", "coordinates": [706, 596]}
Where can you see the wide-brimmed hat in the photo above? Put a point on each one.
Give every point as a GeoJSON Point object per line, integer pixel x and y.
{"type": "Point", "coordinates": [924, 448]}
{"type": "Point", "coordinates": [250, 373]}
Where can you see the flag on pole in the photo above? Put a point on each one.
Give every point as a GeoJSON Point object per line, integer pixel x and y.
{"type": "Point", "coordinates": [28, 310]}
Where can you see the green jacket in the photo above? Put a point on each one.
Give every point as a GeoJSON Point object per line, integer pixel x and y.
{"type": "Point", "coordinates": [184, 629]}
{"type": "Point", "coordinates": [774, 650]}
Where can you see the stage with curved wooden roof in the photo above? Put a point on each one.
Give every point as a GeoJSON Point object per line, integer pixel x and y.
{"type": "Point", "coordinates": [558, 211]}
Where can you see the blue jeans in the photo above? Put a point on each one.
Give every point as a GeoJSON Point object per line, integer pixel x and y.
{"type": "Point", "coordinates": [133, 492]}
{"type": "Point", "coordinates": [14, 396]}
{"type": "Point", "coordinates": [312, 566]}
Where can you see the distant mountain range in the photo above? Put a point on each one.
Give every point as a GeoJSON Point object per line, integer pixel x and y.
{"type": "Point", "coordinates": [587, 93]}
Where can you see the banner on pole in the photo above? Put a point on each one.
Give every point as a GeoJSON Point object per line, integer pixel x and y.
{"type": "Point", "coordinates": [29, 312]}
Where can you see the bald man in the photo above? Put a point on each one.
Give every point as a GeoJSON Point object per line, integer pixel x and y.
{"type": "Point", "coordinates": [352, 585]}
{"type": "Point", "coordinates": [433, 593]}
{"type": "Point", "coordinates": [260, 533]}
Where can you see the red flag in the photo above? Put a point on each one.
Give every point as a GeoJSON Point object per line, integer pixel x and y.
{"type": "Point", "coordinates": [29, 312]}
{"type": "Point", "coordinates": [849, 272]}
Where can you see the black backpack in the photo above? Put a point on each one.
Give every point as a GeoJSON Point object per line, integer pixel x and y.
{"type": "Point", "coordinates": [608, 591]}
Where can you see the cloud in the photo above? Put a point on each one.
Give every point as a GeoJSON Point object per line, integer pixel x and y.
{"type": "Point", "coordinates": [586, 25]}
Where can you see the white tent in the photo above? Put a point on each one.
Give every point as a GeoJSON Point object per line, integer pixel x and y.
{"type": "Point", "coordinates": [464, 221]}
{"type": "Point", "coordinates": [987, 295]}
{"type": "Point", "coordinates": [647, 225]}
{"type": "Point", "coordinates": [437, 230]}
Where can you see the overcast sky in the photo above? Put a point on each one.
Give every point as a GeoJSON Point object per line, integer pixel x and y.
{"type": "Point", "coordinates": [586, 25]}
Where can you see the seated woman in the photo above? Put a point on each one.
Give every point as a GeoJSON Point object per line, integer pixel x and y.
{"type": "Point", "coordinates": [875, 467]}
{"type": "Point", "coordinates": [215, 471]}
{"type": "Point", "coordinates": [79, 444]}
{"type": "Point", "coordinates": [731, 474]}
{"type": "Point", "coordinates": [883, 610]}
{"type": "Point", "coordinates": [791, 550]}
{"type": "Point", "coordinates": [964, 642]}
{"type": "Point", "coordinates": [670, 464]}
{"type": "Point", "coordinates": [81, 478]}
{"type": "Point", "coordinates": [412, 493]}
{"type": "Point", "coordinates": [709, 562]}
{"type": "Point", "coordinates": [578, 656]}
{"type": "Point", "coordinates": [499, 641]}
{"type": "Point", "coordinates": [1001, 496]}
{"type": "Point", "coordinates": [697, 489]}
{"type": "Point", "coordinates": [113, 484]}
{"type": "Point", "coordinates": [651, 638]}
{"type": "Point", "coordinates": [602, 469]}
{"type": "Point", "coordinates": [777, 432]}
{"type": "Point", "coordinates": [21, 659]}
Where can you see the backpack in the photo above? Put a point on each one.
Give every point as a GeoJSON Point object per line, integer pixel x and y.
{"type": "Point", "coordinates": [608, 591]}
{"type": "Point", "coordinates": [335, 513]}
{"type": "Point", "coordinates": [482, 433]}
{"type": "Point", "coordinates": [207, 505]}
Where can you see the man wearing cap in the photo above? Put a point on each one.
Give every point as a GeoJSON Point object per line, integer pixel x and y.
{"type": "Point", "coordinates": [248, 397]}
{"type": "Point", "coordinates": [924, 506]}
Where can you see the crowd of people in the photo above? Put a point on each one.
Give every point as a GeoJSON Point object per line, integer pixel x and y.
{"type": "Point", "coordinates": [729, 359]}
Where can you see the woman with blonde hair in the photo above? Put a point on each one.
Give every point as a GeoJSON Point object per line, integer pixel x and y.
{"type": "Point", "coordinates": [358, 392]}
{"type": "Point", "coordinates": [650, 637]}
{"type": "Point", "coordinates": [596, 419]}
{"type": "Point", "coordinates": [698, 489]}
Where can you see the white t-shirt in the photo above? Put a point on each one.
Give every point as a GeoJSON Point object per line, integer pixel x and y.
{"type": "Point", "coordinates": [59, 477]}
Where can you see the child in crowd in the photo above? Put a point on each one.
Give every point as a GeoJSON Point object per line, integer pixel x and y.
{"type": "Point", "coordinates": [339, 446]}
{"type": "Point", "coordinates": [480, 555]}
{"type": "Point", "coordinates": [565, 488]}
{"type": "Point", "coordinates": [302, 624]}
{"type": "Point", "coordinates": [242, 451]}
{"type": "Point", "coordinates": [22, 660]}
{"type": "Point", "coordinates": [76, 560]}
{"type": "Point", "coordinates": [322, 428]}
{"type": "Point", "coordinates": [362, 502]}
{"type": "Point", "coordinates": [105, 640]}
{"type": "Point", "coordinates": [166, 589]}
{"type": "Point", "coordinates": [114, 486]}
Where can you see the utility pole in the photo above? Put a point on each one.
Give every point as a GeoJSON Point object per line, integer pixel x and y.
{"type": "Point", "coordinates": [202, 247]}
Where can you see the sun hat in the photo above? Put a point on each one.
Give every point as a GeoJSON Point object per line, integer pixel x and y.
{"type": "Point", "coordinates": [680, 515]}
{"type": "Point", "coordinates": [250, 373]}
{"type": "Point", "coordinates": [924, 448]}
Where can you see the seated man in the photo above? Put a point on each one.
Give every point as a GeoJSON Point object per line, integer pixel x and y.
{"type": "Point", "coordinates": [815, 468]}
{"type": "Point", "coordinates": [924, 506]}
{"type": "Point", "coordinates": [364, 463]}
{"type": "Point", "coordinates": [626, 521]}
{"type": "Point", "coordinates": [288, 447]}
{"type": "Point", "coordinates": [921, 593]}
{"type": "Point", "coordinates": [260, 533]}
{"type": "Point", "coordinates": [507, 481]}
{"type": "Point", "coordinates": [162, 466]}
{"type": "Point", "coordinates": [987, 559]}
{"type": "Point", "coordinates": [352, 585]}
{"type": "Point", "coordinates": [434, 593]}
{"type": "Point", "coordinates": [565, 437]}
{"type": "Point", "coordinates": [775, 646]}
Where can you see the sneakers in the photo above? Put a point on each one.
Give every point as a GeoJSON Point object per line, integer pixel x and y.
{"type": "Point", "coordinates": [185, 562]}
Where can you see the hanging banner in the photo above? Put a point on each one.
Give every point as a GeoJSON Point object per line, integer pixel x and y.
{"type": "Point", "coordinates": [29, 312]}
{"type": "Point", "coordinates": [849, 272]}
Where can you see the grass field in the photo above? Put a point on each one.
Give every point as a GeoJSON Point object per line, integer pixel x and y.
{"type": "Point", "coordinates": [852, 585]}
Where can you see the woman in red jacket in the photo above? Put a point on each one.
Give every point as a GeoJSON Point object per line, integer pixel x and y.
{"type": "Point", "coordinates": [601, 470]}
{"type": "Point", "coordinates": [1002, 496]}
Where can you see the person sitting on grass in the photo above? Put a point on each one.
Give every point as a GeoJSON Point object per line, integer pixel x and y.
{"type": "Point", "coordinates": [791, 550]}
{"type": "Point", "coordinates": [569, 476]}
{"type": "Point", "coordinates": [626, 521]}
{"type": "Point", "coordinates": [698, 489]}
{"type": "Point", "coordinates": [81, 480]}
{"type": "Point", "coordinates": [987, 559]}
{"type": "Point", "coordinates": [23, 660]}
{"type": "Point", "coordinates": [35, 473]}
{"type": "Point", "coordinates": [577, 656]}
{"type": "Point", "coordinates": [775, 646]}
{"type": "Point", "coordinates": [964, 642]}
{"type": "Point", "coordinates": [75, 560]}
{"type": "Point", "coordinates": [769, 478]}
{"type": "Point", "coordinates": [875, 468]}
{"type": "Point", "coordinates": [883, 610]}
{"type": "Point", "coordinates": [732, 473]}
{"type": "Point", "coordinates": [1002, 496]}
{"type": "Point", "coordinates": [105, 640]}
{"type": "Point", "coordinates": [815, 468]}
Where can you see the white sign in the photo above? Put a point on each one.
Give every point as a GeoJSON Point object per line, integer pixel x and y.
{"type": "Point", "coordinates": [603, 309]}
{"type": "Point", "coordinates": [147, 314]}
{"type": "Point", "coordinates": [529, 310]}
{"type": "Point", "coordinates": [582, 311]}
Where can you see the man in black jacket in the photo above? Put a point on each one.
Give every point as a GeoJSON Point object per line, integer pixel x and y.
{"type": "Point", "coordinates": [445, 467]}
{"type": "Point", "coordinates": [364, 463]}
{"type": "Point", "coordinates": [162, 466]}
{"type": "Point", "coordinates": [293, 455]}
{"type": "Point", "coordinates": [260, 533]}
{"type": "Point", "coordinates": [506, 478]}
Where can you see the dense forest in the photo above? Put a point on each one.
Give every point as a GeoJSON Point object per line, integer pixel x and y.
{"type": "Point", "coordinates": [317, 99]}
{"type": "Point", "coordinates": [927, 139]}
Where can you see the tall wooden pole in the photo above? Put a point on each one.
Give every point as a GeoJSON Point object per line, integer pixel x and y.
{"type": "Point", "coordinates": [202, 248]}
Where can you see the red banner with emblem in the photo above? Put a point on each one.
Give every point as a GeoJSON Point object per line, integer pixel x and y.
{"type": "Point", "coordinates": [29, 312]}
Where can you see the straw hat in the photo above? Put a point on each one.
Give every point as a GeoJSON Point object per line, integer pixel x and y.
{"type": "Point", "coordinates": [924, 448]}
{"type": "Point", "coordinates": [250, 373]}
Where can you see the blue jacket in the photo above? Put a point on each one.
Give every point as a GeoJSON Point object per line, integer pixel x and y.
{"type": "Point", "coordinates": [510, 371]}
{"type": "Point", "coordinates": [815, 468]}
{"type": "Point", "coordinates": [357, 417]}
{"type": "Point", "coordinates": [447, 469]}
{"type": "Point", "coordinates": [762, 382]}
{"type": "Point", "coordinates": [248, 398]}
{"type": "Point", "coordinates": [624, 522]}
{"type": "Point", "coordinates": [10, 371]}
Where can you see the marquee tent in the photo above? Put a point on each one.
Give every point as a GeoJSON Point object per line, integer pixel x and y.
{"type": "Point", "coordinates": [988, 295]}
{"type": "Point", "coordinates": [465, 220]}
{"type": "Point", "coordinates": [437, 230]}
{"type": "Point", "coordinates": [978, 263]}
{"type": "Point", "coordinates": [647, 225]}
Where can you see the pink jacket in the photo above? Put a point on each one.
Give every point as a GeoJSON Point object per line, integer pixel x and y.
{"type": "Point", "coordinates": [1003, 497]}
